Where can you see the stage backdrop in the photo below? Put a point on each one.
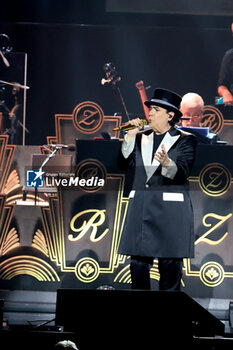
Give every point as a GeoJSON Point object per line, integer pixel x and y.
{"type": "Point", "coordinates": [70, 237]}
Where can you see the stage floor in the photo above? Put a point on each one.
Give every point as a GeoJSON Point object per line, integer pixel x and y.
{"type": "Point", "coordinates": [28, 313]}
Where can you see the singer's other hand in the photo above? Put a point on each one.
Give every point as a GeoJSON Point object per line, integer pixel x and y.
{"type": "Point", "coordinates": [131, 133]}
{"type": "Point", "coordinates": [162, 157]}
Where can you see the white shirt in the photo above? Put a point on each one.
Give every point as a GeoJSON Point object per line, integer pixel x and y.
{"type": "Point", "coordinates": [147, 149]}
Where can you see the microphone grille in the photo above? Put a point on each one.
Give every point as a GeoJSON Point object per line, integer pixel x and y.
{"type": "Point", "coordinates": [144, 122]}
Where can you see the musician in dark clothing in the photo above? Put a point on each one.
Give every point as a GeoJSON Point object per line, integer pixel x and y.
{"type": "Point", "coordinates": [225, 81]}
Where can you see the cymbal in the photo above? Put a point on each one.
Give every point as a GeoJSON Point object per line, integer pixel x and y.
{"type": "Point", "coordinates": [15, 84]}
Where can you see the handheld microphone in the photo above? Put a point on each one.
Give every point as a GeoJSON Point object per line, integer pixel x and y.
{"type": "Point", "coordinates": [128, 126]}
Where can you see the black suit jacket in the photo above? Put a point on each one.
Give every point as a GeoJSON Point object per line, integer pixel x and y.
{"type": "Point", "coordinates": [159, 220]}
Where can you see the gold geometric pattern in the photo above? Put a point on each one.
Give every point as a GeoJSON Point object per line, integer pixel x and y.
{"type": "Point", "coordinates": [6, 157]}
{"type": "Point", "coordinates": [215, 179]}
{"type": "Point", "coordinates": [7, 238]}
{"type": "Point", "coordinates": [213, 118]}
{"type": "Point", "coordinates": [28, 265]}
{"type": "Point", "coordinates": [11, 241]}
{"type": "Point", "coordinates": [39, 242]}
{"type": "Point", "coordinates": [52, 230]}
{"type": "Point", "coordinates": [211, 274]}
{"type": "Point", "coordinates": [12, 183]}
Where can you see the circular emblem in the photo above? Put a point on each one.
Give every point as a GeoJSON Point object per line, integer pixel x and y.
{"type": "Point", "coordinates": [212, 118]}
{"type": "Point", "coordinates": [215, 179]}
{"type": "Point", "coordinates": [92, 174]}
{"type": "Point", "coordinates": [88, 117]}
{"type": "Point", "coordinates": [87, 270]}
{"type": "Point", "coordinates": [211, 274]}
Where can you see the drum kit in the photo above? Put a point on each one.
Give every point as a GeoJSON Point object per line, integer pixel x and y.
{"type": "Point", "coordinates": [11, 113]}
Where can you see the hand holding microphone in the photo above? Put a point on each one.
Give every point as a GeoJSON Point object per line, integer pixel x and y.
{"type": "Point", "coordinates": [132, 124]}
{"type": "Point", "coordinates": [137, 125]}
{"type": "Point", "coordinates": [133, 127]}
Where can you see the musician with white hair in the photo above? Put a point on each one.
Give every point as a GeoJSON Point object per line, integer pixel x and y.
{"type": "Point", "coordinates": [191, 107]}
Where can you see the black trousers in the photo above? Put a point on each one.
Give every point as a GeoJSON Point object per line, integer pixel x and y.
{"type": "Point", "coordinates": [170, 272]}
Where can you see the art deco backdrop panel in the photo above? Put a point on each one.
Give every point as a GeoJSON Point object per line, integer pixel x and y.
{"type": "Point", "coordinates": [70, 238]}
{"type": "Point", "coordinates": [209, 274]}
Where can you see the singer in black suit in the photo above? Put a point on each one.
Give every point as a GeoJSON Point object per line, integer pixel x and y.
{"type": "Point", "coordinates": [159, 220]}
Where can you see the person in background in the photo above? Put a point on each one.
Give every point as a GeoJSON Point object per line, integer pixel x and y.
{"type": "Point", "coordinates": [225, 80]}
{"type": "Point", "coordinates": [191, 107]}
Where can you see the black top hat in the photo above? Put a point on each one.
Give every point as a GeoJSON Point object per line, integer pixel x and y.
{"type": "Point", "coordinates": [166, 99]}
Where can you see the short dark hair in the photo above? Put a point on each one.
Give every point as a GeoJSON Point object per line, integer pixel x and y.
{"type": "Point", "coordinates": [175, 119]}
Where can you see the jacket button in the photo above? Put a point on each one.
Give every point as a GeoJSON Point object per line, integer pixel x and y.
{"type": "Point", "coordinates": [146, 185]}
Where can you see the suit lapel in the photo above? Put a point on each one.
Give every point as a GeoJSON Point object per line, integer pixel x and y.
{"type": "Point", "coordinates": [146, 151]}
{"type": "Point", "coordinates": [168, 141]}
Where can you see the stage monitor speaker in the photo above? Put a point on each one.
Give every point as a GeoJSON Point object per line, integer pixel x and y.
{"type": "Point", "coordinates": [133, 318]}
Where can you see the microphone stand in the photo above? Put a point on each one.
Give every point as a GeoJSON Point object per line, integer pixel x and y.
{"type": "Point", "coordinates": [51, 155]}
{"type": "Point", "coordinates": [122, 101]}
